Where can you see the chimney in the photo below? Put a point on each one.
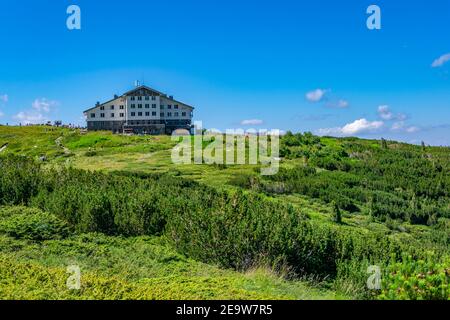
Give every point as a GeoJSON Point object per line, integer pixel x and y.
{"type": "Point", "coordinates": [171, 97]}
{"type": "Point", "coordinates": [98, 103]}
{"type": "Point", "coordinates": [116, 96]}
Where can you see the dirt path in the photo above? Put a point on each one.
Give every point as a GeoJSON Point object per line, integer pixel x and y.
{"type": "Point", "coordinates": [4, 147]}
{"type": "Point", "coordinates": [59, 144]}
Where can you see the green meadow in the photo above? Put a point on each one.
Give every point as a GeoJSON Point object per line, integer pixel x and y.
{"type": "Point", "coordinates": [141, 227]}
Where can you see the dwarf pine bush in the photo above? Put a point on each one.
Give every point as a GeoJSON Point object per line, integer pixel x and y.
{"type": "Point", "coordinates": [233, 229]}
{"type": "Point", "coordinates": [31, 224]}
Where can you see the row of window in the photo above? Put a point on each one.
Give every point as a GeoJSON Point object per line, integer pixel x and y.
{"type": "Point", "coordinates": [169, 106]}
{"type": "Point", "coordinates": [147, 106]}
{"type": "Point", "coordinates": [169, 114]}
{"type": "Point", "coordinates": [133, 114]}
{"type": "Point", "coordinates": [139, 98]}
{"type": "Point", "coordinates": [147, 114]}
{"type": "Point", "coordinates": [168, 122]}
{"type": "Point", "coordinates": [102, 115]}
{"type": "Point", "coordinates": [112, 107]}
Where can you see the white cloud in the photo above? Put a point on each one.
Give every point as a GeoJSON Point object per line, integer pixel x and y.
{"type": "Point", "coordinates": [439, 62]}
{"type": "Point", "coordinates": [30, 117]}
{"type": "Point", "coordinates": [40, 108]}
{"type": "Point", "coordinates": [353, 128]}
{"type": "Point", "coordinates": [43, 105]}
{"type": "Point", "coordinates": [340, 104]}
{"type": "Point", "coordinates": [401, 126]}
{"type": "Point", "coordinates": [343, 103]}
{"type": "Point", "coordinates": [4, 98]}
{"type": "Point", "coordinates": [386, 114]}
{"type": "Point", "coordinates": [398, 126]}
{"type": "Point", "coordinates": [412, 129]}
{"type": "Point", "coordinates": [316, 95]}
{"type": "Point", "coordinates": [361, 125]}
{"type": "Point", "coordinates": [389, 122]}
{"type": "Point", "coordinates": [252, 122]}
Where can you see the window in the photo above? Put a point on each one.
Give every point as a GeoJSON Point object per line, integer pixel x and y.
{"type": "Point", "coordinates": [133, 98]}
{"type": "Point", "coordinates": [169, 106]}
{"type": "Point", "coordinates": [121, 107]}
{"type": "Point", "coordinates": [146, 97]}
{"type": "Point", "coordinates": [154, 105]}
{"type": "Point", "coordinates": [112, 107]}
{"type": "Point", "coordinates": [112, 115]}
{"type": "Point", "coordinates": [147, 106]}
{"type": "Point", "coordinates": [139, 114]}
{"type": "Point", "coordinates": [102, 108]}
{"type": "Point", "coordinates": [133, 114]}
{"type": "Point", "coordinates": [122, 115]}
{"type": "Point", "coordinates": [169, 114]}
{"type": "Point", "coordinates": [175, 106]}
{"type": "Point", "coordinates": [140, 98]}
{"type": "Point", "coordinates": [161, 114]}
{"type": "Point", "coordinates": [154, 113]}
{"type": "Point", "coordinates": [133, 106]}
{"type": "Point", "coordinates": [162, 106]}
{"type": "Point", "coordinates": [183, 114]}
{"type": "Point", "coordinates": [102, 115]}
{"type": "Point", "coordinates": [140, 106]}
{"type": "Point", "coordinates": [153, 98]}
{"type": "Point", "coordinates": [92, 115]}
{"type": "Point", "coordinates": [176, 114]}
{"type": "Point", "coordinates": [147, 114]}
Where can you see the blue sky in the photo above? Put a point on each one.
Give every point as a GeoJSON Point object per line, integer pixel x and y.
{"type": "Point", "coordinates": [291, 65]}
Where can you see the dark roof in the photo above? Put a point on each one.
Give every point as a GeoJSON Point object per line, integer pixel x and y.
{"type": "Point", "coordinates": [143, 87]}
{"type": "Point", "coordinates": [169, 98]}
{"type": "Point", "coordinates": [139, 88]}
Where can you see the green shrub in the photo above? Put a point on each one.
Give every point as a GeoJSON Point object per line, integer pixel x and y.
{"type": "Point", "coordinates": [417, 279]}
{"type": "Point", "coordinates": [400, 182]}
{"type": "Point", "coordinates": [19, 179]}
{"type": "Point", "coordinates": [31, 224]}
{"type": "Point", "coordinates": [28, 280]}
{"type": "Point", "coordinates": [351, 279]}
{"type": "Point", "coordinates": [8, 211]}
{"type": "Point", "coordinates": [233, 229]}
{"type": "Point", "coordinates": [90, 153]}
{"type": "Point", "coordinates": [337, 215]}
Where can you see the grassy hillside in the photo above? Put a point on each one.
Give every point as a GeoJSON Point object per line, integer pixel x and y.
{"type": "Point", "coordinates": [130, 268]}
{"type": "Point", "coordinates": [132, 225]}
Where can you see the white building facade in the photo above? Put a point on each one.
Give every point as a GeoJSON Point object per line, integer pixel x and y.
{"type": "Point", "coordinates": [141, 110]}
